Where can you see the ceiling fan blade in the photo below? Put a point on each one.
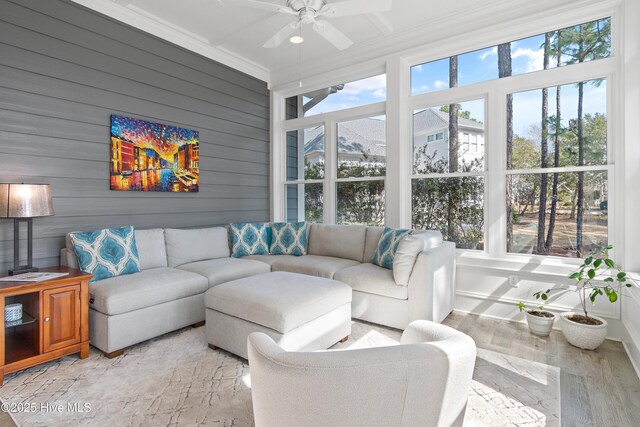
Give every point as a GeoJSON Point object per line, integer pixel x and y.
{"type": "Point", "coordinates": [354, 7]}
{"type": "Point", "coordinates": [282, 35]}
{"type": "Point", "coordinates": [271, 7]}
{"type": "Point", "coordinates": [332, 34]}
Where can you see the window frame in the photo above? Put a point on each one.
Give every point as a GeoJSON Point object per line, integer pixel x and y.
{"type": "Point", "coordinates": [330, 121]}
{"type": "Point", "coordinates": [399, 106]}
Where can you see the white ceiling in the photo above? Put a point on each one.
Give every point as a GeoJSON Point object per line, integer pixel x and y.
{"type": "Point", "coordinates": [228, 32]}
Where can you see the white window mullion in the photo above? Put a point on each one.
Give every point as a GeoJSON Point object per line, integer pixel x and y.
{"type": "Point", "coordinates": [399, 146]}
{"type": "Point", "coordinates": [330, 170]}
{"type": "Point", "coordinates": [495, 187]}
{"type": "Point", "coordinates": [278, 158]}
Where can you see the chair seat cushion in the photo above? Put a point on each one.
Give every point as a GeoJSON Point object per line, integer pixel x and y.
{"type": "Point", "coordinates": [222, 270]}
{"type": "Point", "coordinates": [280, 301]}
{"type": "Point", "coordinates": [372, 279]}
{"type": "Point", "coordinates": [147, 288]}
{"type": "Point", "coordinates": [313, 265]}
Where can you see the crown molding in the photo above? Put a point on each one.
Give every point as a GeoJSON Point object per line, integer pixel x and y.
{"type": "Point", "coordinates": [158, 27]}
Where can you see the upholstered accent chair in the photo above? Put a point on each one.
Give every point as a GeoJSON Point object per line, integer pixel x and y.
{"type": "Point", "coordinates": [424, 381]}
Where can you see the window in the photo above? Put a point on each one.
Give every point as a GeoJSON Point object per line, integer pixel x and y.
{"type": "Point", "coordinates": [525, 56]}
{"type": "Point", "coordinates": [306, 167]}
{"type": "Point", "coordinates": [532, 176]}
{"type": "Point", "coordinates": [338, 97]}
{"type": "Point", "coordinates": [448, 181]}
{"type": "Point", "coordinates": [562, 213]}
{"type": "Point", "coordinates": [360, 171]}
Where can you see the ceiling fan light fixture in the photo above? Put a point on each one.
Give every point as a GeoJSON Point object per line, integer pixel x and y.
{"type": "Point", "coordinates": [296, 39]}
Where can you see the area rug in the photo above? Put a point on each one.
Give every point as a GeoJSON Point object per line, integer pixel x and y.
{"type": "Point", "coordinates": [176, 380]}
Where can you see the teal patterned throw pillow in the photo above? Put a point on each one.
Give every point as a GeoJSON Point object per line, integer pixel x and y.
{"type": "Point", "coordinates": [106, 253]}
{"type": "Point", "coordinates": [289, 238]}
{"type": "Point", "coordinates": [249, 239]}
{"type": "Point", "coordinates": [387, 246]}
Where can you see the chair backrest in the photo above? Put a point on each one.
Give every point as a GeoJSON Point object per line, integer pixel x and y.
{"type": "Point", "coordinates": [424, 381]}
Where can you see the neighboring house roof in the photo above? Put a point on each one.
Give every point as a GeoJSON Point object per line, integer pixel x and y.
{"type": "Point", "coordinates": [431, 119]}
{"type": "Point", "coordinates": [365, 136]}
{"type": "Point", "coordinates": [368, 136]}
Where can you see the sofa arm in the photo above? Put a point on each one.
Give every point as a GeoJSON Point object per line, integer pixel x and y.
{"type": "Point", "coordinates": [68, 259]}
{"type": "Point", "coordinates": [432, 285]}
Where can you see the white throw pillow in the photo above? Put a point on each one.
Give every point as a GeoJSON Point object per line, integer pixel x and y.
{"type": "Point", "coordinates": [196, 244]}
{"type": "Point", "coordinates": [151, 248]}
{"type": "Point", "coordinates": [408, 251]}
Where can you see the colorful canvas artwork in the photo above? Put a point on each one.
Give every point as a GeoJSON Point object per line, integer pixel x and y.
{"type": "Point", "coordinates": [148, 156]}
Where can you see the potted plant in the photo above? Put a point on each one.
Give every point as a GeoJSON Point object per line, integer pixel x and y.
{"type": "Point", "coordinates": [598, 275]}
{"type": "Point", "coordinates": [539, 320]}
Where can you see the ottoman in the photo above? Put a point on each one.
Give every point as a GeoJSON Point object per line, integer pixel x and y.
{"type": "Point", "coordinates": [300, 312]}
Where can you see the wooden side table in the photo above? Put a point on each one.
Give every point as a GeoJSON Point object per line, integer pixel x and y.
{"type": "Point", "coordinates": [55, 321]}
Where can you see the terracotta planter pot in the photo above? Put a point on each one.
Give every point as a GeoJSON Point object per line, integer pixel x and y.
{"type": "Point", "coordinates": [540, 326]}
{"type": "Point", "coordinates": [588, 337]}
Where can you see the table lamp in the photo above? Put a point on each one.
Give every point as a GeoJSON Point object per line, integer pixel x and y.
{"type": "Point", "coordinates": [23, 202]}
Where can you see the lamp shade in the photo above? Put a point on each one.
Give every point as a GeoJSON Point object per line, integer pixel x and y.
{"type": "Point", "coordinates": [25, 200]}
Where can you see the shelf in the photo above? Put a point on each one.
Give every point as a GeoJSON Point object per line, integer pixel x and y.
{"type": "Point", "coordinates": [19, 347]}
{"type": "Point", "coordinates": [26, 320]}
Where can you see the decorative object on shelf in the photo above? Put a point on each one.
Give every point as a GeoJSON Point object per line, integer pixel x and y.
{"type": "Point", "coordinates": [147, 156]}
{"type": "Point", "coordinates": [539, 320]}
{"type": "Point", "coordinates": [13, 312]}
{"type": "Point", "coordinates": [597, 276]}
{"type": "Point", "coordinates": [23, 202]}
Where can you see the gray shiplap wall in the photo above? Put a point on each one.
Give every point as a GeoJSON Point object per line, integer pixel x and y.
{"type": "Point", "coordinates": [64, 69]}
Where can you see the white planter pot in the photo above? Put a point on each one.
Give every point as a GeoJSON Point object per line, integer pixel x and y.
{"type": "Point", "coordinates": [540, 326]}
{"type": "Point", "coordinates": [588, 337]}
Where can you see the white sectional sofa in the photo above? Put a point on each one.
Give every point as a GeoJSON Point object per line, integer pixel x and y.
{"type": "Point", "coordinates": [178, 266]}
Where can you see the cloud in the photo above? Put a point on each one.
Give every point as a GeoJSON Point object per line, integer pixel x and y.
{"type": "Point", "coordinates": [418, 68]}
{"type": "Point", "coordinates": [371, 84]}
{"type": "Point", "coordinates": [380, 93]}
{"type": "Point", "coordinates": [489, 52]}
{"type": "Point", "coordinates": [534, 58]}
{"type": "Point", "coordinates": [439, 84]}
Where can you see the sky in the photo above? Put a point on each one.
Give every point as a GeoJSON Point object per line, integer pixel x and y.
{"type": "Point", "coordinates": [473, 67]}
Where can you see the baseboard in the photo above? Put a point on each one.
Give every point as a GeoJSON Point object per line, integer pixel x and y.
{"type": "Point", "coordinates": [631, 343]}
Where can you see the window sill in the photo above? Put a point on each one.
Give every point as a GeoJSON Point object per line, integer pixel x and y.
{"type": "Point", "coordinates": [525, 266]}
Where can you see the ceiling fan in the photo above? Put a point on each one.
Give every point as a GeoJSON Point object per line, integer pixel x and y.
{"type": "Point", "coordinates": [308, 12]}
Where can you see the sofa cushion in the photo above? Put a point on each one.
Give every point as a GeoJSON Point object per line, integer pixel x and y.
{"type": "Point", "coordinates": [106, 253]}
{"type": "Point", "coordinates": [289, 238]}
{"type": "Point", "coordinates": [313, 265]}
{"type": "Point", "coordinates": [387, 246]}
{"type": "Point", "coordinates": [280, 301]}
{"type": "Point", "coordinates": [371, 242]}
{"type": "Point", "coordinates": [372, 279]}
{"type": "Point", "coordinates": [151, 287]}
{"type": "Point", "coordinates": [151, 248]}
{"type": "Point", "coordinates": [225, 269]}
{"type": "Point", "coordinates": [340, 241]}
{"type": "Point", "coordinates": [408, 250]}
{"type": "Point", "coordinates": [249, 239]}
{"type": "Point", "coordinates": [267, 259]}
{"type": "Point", "coordinates": [184, 246]}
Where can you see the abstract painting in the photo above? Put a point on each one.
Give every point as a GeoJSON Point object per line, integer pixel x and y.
{"type": "Point", "coordinates": [147, 156]}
